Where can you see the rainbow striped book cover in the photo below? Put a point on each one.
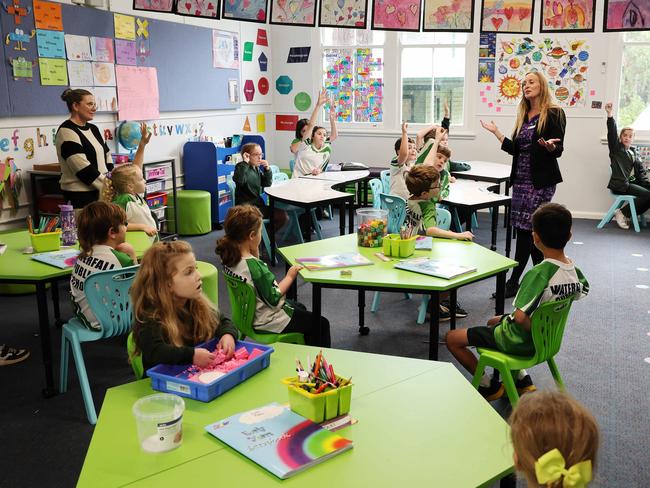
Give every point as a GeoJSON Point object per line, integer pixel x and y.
{"type": "Point", "coordinates": [279, 440]}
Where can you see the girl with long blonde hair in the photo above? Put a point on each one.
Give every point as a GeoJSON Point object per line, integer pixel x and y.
{"type": "Point", "coordinates": [171, 313]}
{"type": "Point", "coordinates": [536, 144]}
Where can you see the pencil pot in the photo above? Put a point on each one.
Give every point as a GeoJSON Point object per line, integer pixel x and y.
{"type": "Point", "coordinates": [319, 407]}
{"type": "Point", "coordinates": [372, 225]}
{"type": "Point", "coordinates": [48, 241]}
{"type": "Point", "coordinates": [397, 247]}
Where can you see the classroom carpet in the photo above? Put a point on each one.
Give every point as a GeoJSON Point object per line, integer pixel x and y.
{"type": "Point", "coordinates": [606, 352]}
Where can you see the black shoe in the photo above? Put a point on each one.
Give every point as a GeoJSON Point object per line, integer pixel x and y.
{"type": "Point", "coordinates": [510, 291]}
{"type": "Point", "coordinates": [525, 385]}
{"type": "Point", "coordinates": [492, 392]}
{"type": "Point", "coordinates": [461, 313]}
{"type": "Point", "coordinates": [443, 315]}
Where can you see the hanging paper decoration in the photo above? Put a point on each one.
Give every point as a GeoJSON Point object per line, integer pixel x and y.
{"type": "Point", "coordinates": [293, 12]}
{"type": "Point", "coordinates": [343, 13]}
{"type": "Point", "coordinates": [401, 15]}
{"type": "Point", "coordinates": [507, 16]}
{"type": "Point", "coordinates": [568, 16]}
{"type": "Point", "coordinates": [448, 15]}
{"type": "Point", "coordinates": [198, 8]}
{"type": "Point", "coordinates": [245, 10]}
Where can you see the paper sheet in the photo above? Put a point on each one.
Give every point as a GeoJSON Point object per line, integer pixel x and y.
{"type": "Point", "coordinates": [78, 48]}
{"type": "Point", "coordinates": [124, 27]}
{"type": "Point", "coordinates": [53, 72]}
{"type": "Point", "coordinates": [125, 52]}
{"type": "Point", "coordinates": [47, 15]}
{"type": "Point", "coordinates": [137, 89]}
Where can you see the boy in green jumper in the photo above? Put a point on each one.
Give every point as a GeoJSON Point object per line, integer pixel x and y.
{"type": "Point", "coordinates": [555, 278]}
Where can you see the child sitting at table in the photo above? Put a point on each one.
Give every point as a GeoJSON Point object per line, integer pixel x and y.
{"type": "Point", "coordinates": [101, 228]}
{"type": "Point", "coordinates": [555, 278]}
{"type": "Point", "coordinates": [239, 252]}
{"type": "Point", "coordinates": [171, 313]}
{"type": "Point", "coordinates": [555, 440]}
{"type": "Point", "coordinates": [251, 176]}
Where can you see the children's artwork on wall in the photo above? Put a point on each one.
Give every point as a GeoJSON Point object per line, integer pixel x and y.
{"type": "Point", "coordinates": [225, 49]}
{"type": "Point", "coordinates": [401, 15]}
{"type": "Point", "coordinates": [507, 16]}
{"type": "Point", "coordinates": [142, 43]}
{"type": "Point", "coordinates": [293, 12]}
{"type": "Point", "coordinates": [198, 8]}
{"type": "Point", "coordinates": [22, 68]}
{"type": "Point", "coordinates": [486, 70]}
{"type": "Point", "coordinates": [80, 73]}
{"type": "Point", "coordinates": [50, 44]}
{"type": "Point", "coordinates": [78, 48]}
{"type": "Point", "coordinates": [351, 14]}
{"type": "Point", "coordinates": [448, 15]}
{"type": "Point", "coordinates": [102, 49]}
{"type": "Point", "coordinates": [564, 63]}
{"type": "Point", "coordinates": [105, 97]}
{"type": "Point", "coordinates": [368, 89]}
{"type": "Point", "coordinates": [137, 89]}
{"type": "Point", "coordinates": [17, 10]}
{"type": "Point", "coordinates": [124, 27]}
{"type": "Point", "coordinates": [568, 16]}
{"type": "Point", "coordinates": [104, 74]}
{"type": "Point", "coordinates": [487, 45]}
{"type": "Point", "coordinates": [20, 38]}
{"type": "Point", "coordinates": [125, 52]}
{"type": "Point", "coordinates": [626, 15]}
{"type": "Point", "coordinates": [245, 10]}
{"type": "Point", "coordinates": [153, 5]}
{"type": "Point", "coordinates": [47, 15]}
{"type": "Point", "coordinates": [339, 79]}
{"type": "Point", "coordinates": [53, 72]}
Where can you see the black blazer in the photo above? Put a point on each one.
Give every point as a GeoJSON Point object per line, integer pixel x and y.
{"type": "Point", "coordinates": [545, 170]}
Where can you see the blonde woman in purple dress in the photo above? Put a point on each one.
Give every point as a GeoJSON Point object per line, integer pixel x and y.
{"type": "Point", "coordinates": [536, 144]}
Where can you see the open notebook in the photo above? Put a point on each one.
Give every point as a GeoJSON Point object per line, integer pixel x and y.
{"type": "Point", "coordinates": [433, 267]}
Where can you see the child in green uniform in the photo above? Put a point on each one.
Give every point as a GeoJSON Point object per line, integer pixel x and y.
{"type": "Point", "coordinates": [555, 278]}
{"type": "Point", "coordinates": [239, 254]}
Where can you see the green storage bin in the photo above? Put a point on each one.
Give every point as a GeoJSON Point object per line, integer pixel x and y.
{"type": "Point", "coordinates": [321, 406]}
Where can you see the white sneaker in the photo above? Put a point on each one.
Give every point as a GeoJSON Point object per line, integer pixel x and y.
{"type": "Point", "coordinates": [621, 220]}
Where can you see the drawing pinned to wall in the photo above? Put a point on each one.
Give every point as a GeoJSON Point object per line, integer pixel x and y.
{"type": "Point", "coordinates": [124, 27]}
{"type": "Point", "coordinates": [50, 44]}
{"type": "Point", "coordinates": [78, 48]}
{"type": "Point", "coordinates": [142, 39]}
{"type": "Point", "coordinates": [102, 49]}
{"type": "Point", "coordinates": [564, 62]}
{"type": "Point", "coordinates": [293, 12]}
{"type": "Point", "coordinates": [125, 52]}
{"type": "Point", "coordinates": [153, 5]}
{"type": "Point", "coordinates": [104, 74]}
{"type": "Point", "coordinates": [105, 98]}
{"type": "Point", "coordinates": [80, 73]}
{"type": "Point", "coordinates": [368, 88]}
{"type": "Point", "coordinates": [47, 15]}
{"type": "Point", "coordinates": [568, 16]}
{"type": "Point", "coordinates": [22, 69]}
{"type": "Point", "coordinates": [339, 80]}
{"type": "Point", "coordinates": [245, 10]}
{"type": "Point", "coordinates": [198, 8]}
{"type": "Point", "coordinates": [284, 85]}
{"type": "Point", "coordinates": [486, 70]}
{"type": "Point", "coordinates": [507, 16]}
{"type": "Point", "coordinates": [445, 15]}
{"type": "Point", "coordinates": [53, 72]}
{"type": "Point", "coordinates": [487, 47]}
{"type": "Point", "coordinates": [20, 38]}
{"type": "Point", "coordinates": [17, 10]}
{"type": "Point", "coordinates": [396, 15]}
{"type": "Point", "coordinates": [263, 85]}
{"type": "Point", "coordinates": [225, 49]}
{"type": "Point", "coordinates": [626, 15]}
{"type": "Point", "coordinates": [343, 13]}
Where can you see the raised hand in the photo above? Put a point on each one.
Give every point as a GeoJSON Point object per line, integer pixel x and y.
{"type": "Point", "coordinates": [146, 134]}
{"type": "Point", "coordinates": [609, 107]}
{"type": "Point", "coordinates": [405, 127]}
{"type": "Point", "coordinates": [322, 97]}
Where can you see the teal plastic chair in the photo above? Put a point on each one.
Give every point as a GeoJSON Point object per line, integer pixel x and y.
{"type": "Point", "coordinates": [547, 328]}
{"type": "Point", "coordinates": [292, 163]}
{"type": "Point", "coordinates": [274, 168]}
{"type": "Point", "coordinates": [108, 297]}
{"type": "Point", "coordinates": [384, 176]}
{"type": "Point", "coordinates": [242, 307]}
{"type": "Point", "coordinates": [619, 201]}
{"type": "Point", "coordinates": [376, 187]}
{"type": "Point", "coordinates": [293, 226]}
{"type": "Point", "coordinates": [456, 220]}
{"type": "Point", "coordinates": [443, 221]}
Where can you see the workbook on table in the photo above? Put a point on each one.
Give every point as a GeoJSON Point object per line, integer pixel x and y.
{"type": "Point", "coordinates": [434, 267]}
{"type": "Point", "coordinates": [279, 440]}
{"type": "Point", "coordinates": [64, 258]}
{"type": "Point", "coordinates": [331, 261]}
{"type": "Point", "coordinates": [424, 243]}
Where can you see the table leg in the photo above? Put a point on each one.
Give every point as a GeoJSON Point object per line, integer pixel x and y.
{"type": "Point", "coordinates": [358, 187]}
{"type": "Point", "coordinates": [46, 341]}
{"type": "Point", "coordinates": [501, 291]}
{"type": "Point", "coordinates": [468, 222]}
{"type": "Point", "coordinates": [350, 218]}
{"type": "Point", "coordinates": [506, 218]}
{"type": "Point", "coordinates": [452, 308]}
{"type": "Point", "coordinates": [363, 330]}
{"type": "Point", "coordinates": [316, 300]}
{"type": "Point", "coordinates": [55, 302]}
{"type": "Point", "coordinates": [508, 231]}
{"type": "Point", "coordinates": [308, 219]}
{"type": "Point", "coordinates": [495, 224]}
{"type": "Point", "coordinates": [272, 229]}
{"type": "Point", "coordinates": [434, 325]}
{"type": "Point", "coordinates": [342, 218]}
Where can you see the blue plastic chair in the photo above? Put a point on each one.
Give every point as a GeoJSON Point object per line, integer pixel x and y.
{"type": "Point", "coordinates": [108, 297]}
{"type": "Point", "coordinates": [619, 200]}
{"type": "Point", "coordinates": [385, 180]}
{"type": "Point", "coordinates": [376, 187]}
{"type": "Point", "coordinates": [293, 226]}
{"type": "Point", "coordinates": [292, 163]}
{"type": "Point", "coordinates": [274, 168]}
{"type": "Point", "coordinates": [443, 221]}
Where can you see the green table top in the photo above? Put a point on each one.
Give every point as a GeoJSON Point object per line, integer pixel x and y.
{"type": "Point", "coordinates": [14, 265]}
{"type": "Point", "coordinates": [384, 274]}
{"type": "Point", "coordinates": [418, 420]}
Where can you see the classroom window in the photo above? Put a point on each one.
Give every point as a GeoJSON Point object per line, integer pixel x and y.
{"type": "Point", "coordinates": [353, 73]}
{"type": "Point", "coordinates": [634, 93]}
{"type": "Point", "coordinates": [432, 71]}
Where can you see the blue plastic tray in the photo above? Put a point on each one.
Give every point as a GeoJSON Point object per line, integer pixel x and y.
{"type": "Point", "coordinates": [171, 379]}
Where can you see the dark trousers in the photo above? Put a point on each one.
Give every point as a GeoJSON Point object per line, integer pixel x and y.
{"type": "Point", "coordinates": [642, 201]}
{"type": "Point", "coordinates": [315, 329]}
{"type": "Point", "coordinates": [524, 249]}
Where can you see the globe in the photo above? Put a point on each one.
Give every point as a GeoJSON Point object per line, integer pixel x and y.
{"type": "Point", "coordinates": [128, 135]}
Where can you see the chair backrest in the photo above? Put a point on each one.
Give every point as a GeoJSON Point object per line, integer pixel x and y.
{"type": "Point", "coordinates": [547, 327]}
{"type": "Point", "coordinates": [231, 186]}
{"type": "Point", "coordinates": [242, 302]}
{"type": "Point", "coordinates": [396, 207]}
{"type": "Point", "coordinates": [292, 163]}
{"type": "Point", "coordinates": [278, 178]}
{"type": "Point", "coordinates": [443, 218]}
{"type": "Point", "coordinates": [108, 297]}
{"type": "Point", "coordinates": [274, 168]}
{"type": "Point", "coordinates": [376, 187]}
{"type": "Point", "coordinates": [385, 180]}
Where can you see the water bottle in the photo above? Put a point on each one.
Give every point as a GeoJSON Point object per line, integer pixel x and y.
{"type": "Point", "coordinates": [68, 225]}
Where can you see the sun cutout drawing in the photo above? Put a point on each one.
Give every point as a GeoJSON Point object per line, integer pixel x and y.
{"type": "Point", "coordinates": [510, 87]}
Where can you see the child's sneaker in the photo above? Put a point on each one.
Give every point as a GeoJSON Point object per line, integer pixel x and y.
{"type": "Point", "coordinates": [492, 392]}
{"type": "Point", "coordinates": [525, 385]}
{"type": "Point", "coordinates": [9, 355]}
{"type": "Point", "coordinates": [443, 315]}
{"type": "Point", "coordinates": [461, 313]}
{"type": "Point", "coordinates": [621, 220]}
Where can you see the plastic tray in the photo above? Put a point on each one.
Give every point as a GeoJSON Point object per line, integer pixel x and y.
{"type": "Point", "coordinates": [171, 379]}
{"type": "Point", "coordinates": [155, 200]}
{"type": "Point", "coordinates": [318, 407]}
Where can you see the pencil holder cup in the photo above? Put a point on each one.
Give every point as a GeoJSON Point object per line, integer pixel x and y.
{"type": "Point", "coordinates": [372, 226]}
{"type": "Point", "coordinates": [319, 407]}
{"type": "Point", "coordinates": [48, 241]}
{"type": "Point", "coordinates": [397, 247]}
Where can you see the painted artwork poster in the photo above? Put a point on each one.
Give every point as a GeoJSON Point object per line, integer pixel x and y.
{"type": "Point", "coordinates": [293, 12]}
{"type": "Point", "coordinates": [626, 15]}
{"type": "Point", "coordinates": [568, 16]}
{"type": "Point", "coordinates": [564, 63]}
{"type": "Point", "coordinates": [507, 16]}
{"type": "Point", "coordinates": [343, 13]}
{"type": "Point", "coordinates": [245, 10]}
{"type": "Point", "coordinates": [486, 70]}
{"type": "Point", "coordinates": [339, 80]}
{"type": "Point", "coordinates": [368, 89]}
{"type": "Point", "coordinates": [401, 15]}
{"type": "Point", "coordinates": [487, 45]}
{"type": "Point", "coordinates": [153, 5]}
{"type": "Point", "coordinates": [198, 8]}
{"type": "Point", "coordinates": [225, 49]}
{"type": "Point", "coordinates": [445, 15]}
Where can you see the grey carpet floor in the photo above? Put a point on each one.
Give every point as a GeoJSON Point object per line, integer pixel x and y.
{"type": "Point", "coordinates": [605, 359]}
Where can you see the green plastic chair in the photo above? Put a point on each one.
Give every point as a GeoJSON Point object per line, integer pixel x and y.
{"type": "Point", "coordinates": [242, 306]}
{"type": "Point", "coordinates": [547, 327]}
{"type": "Point", "coordinates": [134, 359]}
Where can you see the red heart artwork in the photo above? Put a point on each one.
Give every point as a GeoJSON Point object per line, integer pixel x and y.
{"type": "Point", "coordinates": [210, 6]}
{"type": "Point", "coordinates": [523, 13]}
{"type": "Point", "coordinates": [508, 12]}
{"type": "Point", "coordinates": [188, 6]}
{"type": "Point", "coordinates": [496, 22]}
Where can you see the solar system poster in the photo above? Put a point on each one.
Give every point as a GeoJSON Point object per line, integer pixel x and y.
{"type": "Point", "coordinates": [564, 63]}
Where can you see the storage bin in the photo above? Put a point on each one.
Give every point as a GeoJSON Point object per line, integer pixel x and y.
{"type": "Point", "coordinates": [155, 200]}
{"type": "Point", "coordinates": [48, 241]}
{"type": "Point", "coordinates": [319, 407]}
{"type": "Point", "coordinates": [173, 378]}
{"type": "Point", "coordinates": [397, 247]}
{"type": "Point", "coordinates": [161, 171]}
{"type": "Point", "coordinates": [155, 186]}
{"type": "Point", "coordinates": [159, 212]}
{"type": "Point", "coordinates": [372, 226]}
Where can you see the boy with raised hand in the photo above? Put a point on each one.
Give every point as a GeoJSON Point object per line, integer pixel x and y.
{"type": "Point", "coordinates": [555, 278]}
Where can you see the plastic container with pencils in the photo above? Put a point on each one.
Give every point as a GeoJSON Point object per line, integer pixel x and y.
{"type": "Point", "coordinates": [47, 241]}
{"type": "Point", "coordinates": [395, 246]}
{"type": "Point", "coordinates": [319, 407]}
